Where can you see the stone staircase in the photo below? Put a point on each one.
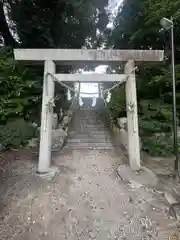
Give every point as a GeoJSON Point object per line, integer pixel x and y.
{"type": "Point", "coordinates": [88, 130]}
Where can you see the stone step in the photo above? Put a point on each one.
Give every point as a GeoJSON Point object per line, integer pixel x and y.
{"type": "Point", "coordinates": [89, 147]}
{"type": "Point", "coordinates": [94, 123]}
{"type": "Point", "coordinates": [97, 141]}
{"type": "Point", "coordinates": [85, 124]}
{"type": "Point", "coordinates": [95, 127]}
{"type": "Point", "coordinates": [88, 136]}
{"type": "Point", "coordinates": [90, 119]}
{"type": "Point", "coordinates": [90, 116]}
{"type": "Point", "coordinates": [173, 199]}
{"type": "Point", "coordinates": [104, 145]}
{"type": "Point", "coordinates": [89, 131]}
{"type": "Point", "coordinates": [98, 129]}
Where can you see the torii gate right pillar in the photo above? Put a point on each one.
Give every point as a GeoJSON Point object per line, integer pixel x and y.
{"type": "Point", "coordinates": [132, 117]}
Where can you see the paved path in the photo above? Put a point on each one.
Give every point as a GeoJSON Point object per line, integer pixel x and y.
{"type": "Point", "coordinates": [85, 201]}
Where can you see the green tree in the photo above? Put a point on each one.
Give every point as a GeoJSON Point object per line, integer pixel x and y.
{"type": "Point", "coordinates": [41, 24]}
{"type": "Point", "coordinates": [57, 23]}
{"type": "Point", "coordinates": [49, 24]}
{"type": "Point", "coordinates": [19, 94]}
{"type": "Point", "coordinates": [137, 26]}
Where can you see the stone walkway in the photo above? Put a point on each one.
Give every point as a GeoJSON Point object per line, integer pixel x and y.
{"type": "Point", "coordinates": [86, 200]}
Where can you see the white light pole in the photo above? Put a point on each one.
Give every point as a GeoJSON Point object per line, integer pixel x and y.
{"type": "Point", "coordinates": [168, 24]}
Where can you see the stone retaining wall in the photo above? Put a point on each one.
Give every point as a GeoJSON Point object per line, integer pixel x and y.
{"type": "Point", "coordinates": [120, 130]}
{"type": "Point", "coordinates": [60, 131]}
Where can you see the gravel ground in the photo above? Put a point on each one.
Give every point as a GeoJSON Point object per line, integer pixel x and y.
{"type": "Point", "coordinates": [86, 200]}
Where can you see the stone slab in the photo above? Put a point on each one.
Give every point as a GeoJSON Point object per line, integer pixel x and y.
{"type": "Point", "coordinates": [33, 142]}
{"type": "Point", "coordinates": [49, 174]}
{"type": "Point", "coordinates": [88, 55]}
{"type": "Point", "coordinates": [58, 138]}
{"type": "Point", "coordinates": [175, 210]}
{"type": "Point", "coordinates": [144, 176]}
{"type": "Point", "coordinates": [170, 198]}
{"type": "Point", "coordinates": [91, 77]}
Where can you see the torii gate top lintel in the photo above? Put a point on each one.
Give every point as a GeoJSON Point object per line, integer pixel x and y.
{"type": "Point", "coordinates": [67, 56]}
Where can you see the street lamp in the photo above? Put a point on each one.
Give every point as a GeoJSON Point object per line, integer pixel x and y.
{"type": "Point", "coordinates": [168, 24]}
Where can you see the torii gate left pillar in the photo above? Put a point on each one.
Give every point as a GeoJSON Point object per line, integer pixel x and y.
{"type": "Point", "coordinates": [50, 57]}
{"type": "Point", "coordinates": [46, 118]}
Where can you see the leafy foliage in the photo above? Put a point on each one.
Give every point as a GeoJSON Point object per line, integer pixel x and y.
{"type": "Point", "coordinates": [137, 26]}
{"type": "Point", "coordinates": [155, 117]}
{"type": "Point", "coordinates": [19, 94]}
{"type": "Point", "coordinates": [41, 24]}
{"type": "Point", "coordinates": [57, 23]}
{"type": "Point", "coordinates": [17, 132]}
{"type": "Point", "coordinates": [158, 145]}
{"type": "Point", "coordinates": [117, 104]}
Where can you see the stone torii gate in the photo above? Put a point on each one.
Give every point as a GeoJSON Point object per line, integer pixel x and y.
{"type": "Point", "coordinates": [52, 57]}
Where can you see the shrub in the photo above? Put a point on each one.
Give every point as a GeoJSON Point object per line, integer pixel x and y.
{"type": "Point", "coordinates": [16, 133]}
{"type": "Point", "coordinates": [117, 104]}
{"type": "Point", "coordinates": [20, 91]}
{"type": "Point", "coordinates": [155, 121]}
{"type": "Point", "coordinates": [158, 145]}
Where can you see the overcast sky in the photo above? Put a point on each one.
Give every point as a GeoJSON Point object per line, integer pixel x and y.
{"type": "Point", "coordinates": [114, 5]}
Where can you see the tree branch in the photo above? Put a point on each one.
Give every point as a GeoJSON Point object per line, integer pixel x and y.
{"type": "Point", "coordinates": [4, 29]}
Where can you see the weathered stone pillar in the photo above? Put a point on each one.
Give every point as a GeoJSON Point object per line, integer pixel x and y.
{"type": "Point", "coordinates": [78, 94]}
{"type": "Point", "coordinates": [132, 118]}
{"type": "Point", "coordinates": [46, 119]}
{"type": "Point", "coordinates": [99, 90]}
